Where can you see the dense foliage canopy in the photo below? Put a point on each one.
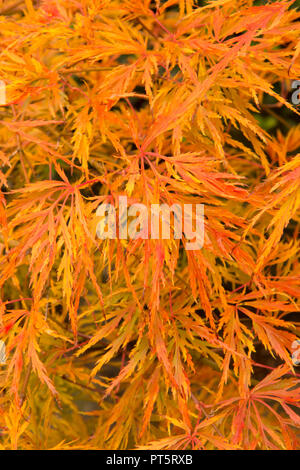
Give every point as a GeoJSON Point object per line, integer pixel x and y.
{"type": "Point", "coordinates": [117, 344]}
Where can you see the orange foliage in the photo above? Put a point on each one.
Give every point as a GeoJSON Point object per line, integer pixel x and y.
{"type": "Point", "coordinates": [117, 344]}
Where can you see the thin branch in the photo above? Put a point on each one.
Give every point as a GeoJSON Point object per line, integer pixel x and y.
{"type": "Point", "coordinates": [11, 8]}
{"type": "Point", "coordinates": [201, 408]}
{"type": "Point", "coordinates": [25, 383]}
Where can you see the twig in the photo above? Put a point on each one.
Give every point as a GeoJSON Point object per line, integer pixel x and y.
{"type": "Point", "coordinates": [10, 8]}
{"type": "Point", "coordinates": [81, 385]}
{"type": "Point", "coordinates": [25, 384]}
{"type": "Point", "coordinates": [201, 408]}
{"type": "Point", "coordinates": [148, 29]}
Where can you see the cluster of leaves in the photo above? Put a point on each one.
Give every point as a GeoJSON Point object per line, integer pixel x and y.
{"type": "Point", "coordinates": [117, 344]}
